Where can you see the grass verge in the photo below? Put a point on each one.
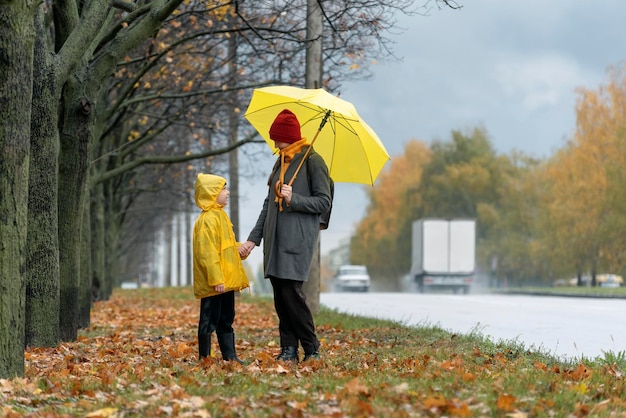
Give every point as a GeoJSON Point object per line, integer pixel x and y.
{"type": "Point", "coordinates": [139, 359]}
{"type": "Point", "coordinates": [588, 292]}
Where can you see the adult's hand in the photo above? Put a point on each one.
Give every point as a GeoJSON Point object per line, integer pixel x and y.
{"type": "Point", "coordinates": [287, 192]}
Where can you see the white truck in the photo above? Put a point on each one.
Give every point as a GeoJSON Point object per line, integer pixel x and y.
{"type": "Point", "coordinates": [443, 254]}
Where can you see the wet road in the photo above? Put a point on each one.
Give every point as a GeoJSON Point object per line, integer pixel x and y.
{"type": "Point", "coordinates": [565, 327]}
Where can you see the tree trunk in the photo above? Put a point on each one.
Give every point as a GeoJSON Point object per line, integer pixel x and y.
{"type": "Point", "coordinates": [167, 253]}
{"type": "Point", "coordinates": [176, 242]}
{"type": "Point", "coordinates": [311, 287]}
{"type": "Point", "coordinates": [314, 64]}
{"type": "Point", "coordinates": [16, 67]}
{"type": "Point", "coordinates": [97, 241]}
{"type": "Point", "coordinates": [73, 169]}
{"type": "Point", "coordinates": [313, 79]}
{"type": "Point", "coordinates": [109, 248]}
{"type": "Point", "coordinates": [42, 266]}
{"type": "Point", "coordinates": [84, 296]}
{"type": "Point", "coordinates": [182, 240]}
{"type": "Point", "coordinates": [233, 124]}
{"type": "Point", "coordinates": [188, 242]}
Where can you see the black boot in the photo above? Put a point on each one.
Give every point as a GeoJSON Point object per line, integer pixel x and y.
{"type": "Point", "coordinates": [288, 353]}
{"type": "Point", "coordinates": [227, 347]}
{"type": "Point", "coordinates": [204, 345]}
{"type": "Point", "coordinates": [315, 355]}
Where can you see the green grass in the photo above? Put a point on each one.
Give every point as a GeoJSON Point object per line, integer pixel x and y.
{"type": "Point", "coordinates": [139, 358]}
{"type": "Point", "coordinates": [568, 291]}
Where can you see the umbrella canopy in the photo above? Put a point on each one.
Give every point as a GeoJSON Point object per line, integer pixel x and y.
{"type": "Point", "coordinates": [352, 150]}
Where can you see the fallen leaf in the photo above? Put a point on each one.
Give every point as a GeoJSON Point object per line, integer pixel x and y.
{"type": "Point", "coordinates": [103, 413]}
{"type": "Point", "coordinates": [505, 402]}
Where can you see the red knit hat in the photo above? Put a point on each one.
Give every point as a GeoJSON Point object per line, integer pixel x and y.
{"type": "Point", "coordinates": [285, 128]}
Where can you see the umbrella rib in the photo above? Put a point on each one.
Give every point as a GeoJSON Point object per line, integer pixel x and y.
{"type": "Point", "coordinates": [332, 123]}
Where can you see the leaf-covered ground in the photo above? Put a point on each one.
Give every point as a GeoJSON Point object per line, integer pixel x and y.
{"type": "Point", "coordinates": [139, 359]}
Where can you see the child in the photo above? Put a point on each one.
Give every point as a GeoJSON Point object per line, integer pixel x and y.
{"type": "Point", "coordinates": [217, 268]}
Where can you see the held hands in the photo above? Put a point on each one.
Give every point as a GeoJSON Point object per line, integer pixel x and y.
{"type": "Point", "coordinates": [245, 249]}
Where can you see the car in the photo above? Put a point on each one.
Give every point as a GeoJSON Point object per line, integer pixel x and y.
{"type": "Point", "coordinates": [602, 280]}
{"type": "Point", "coordinates": [352, 278]}
{"type": "Point", "coordinates": [129, 285]}
{"type": "Point", "coordinates": [565, 282]}
{"type": "Point", "coordinates": [609, 280]}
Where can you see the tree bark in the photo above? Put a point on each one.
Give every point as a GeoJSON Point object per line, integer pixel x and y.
{"type": "Point", "coordinates": [109, 241]}
{"type": "Point", "coordinates": [169, 237]}
{"type": "Point", "coordinates": [233, 122]}
{"type": "Point", "coordinates": [85, 285]}
{"type": "Point", "coordinates": [313, 79]}
{"type": "Point", "coordinates": [42, 266]}
{"type": "Point", "coordinates": [73, 166]}
{"type": "Point", "coordinates": [16, 66]}
{"type": "Point", "coordinates": [97, 241]}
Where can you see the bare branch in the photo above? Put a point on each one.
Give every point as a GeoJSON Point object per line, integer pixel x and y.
{"type": "Point", "coordinates": [172, 159]}
{"type": "Point", "coordinates": [124, 5]}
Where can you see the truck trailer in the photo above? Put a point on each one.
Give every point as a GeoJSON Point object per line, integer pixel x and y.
{"type": "Point", "coordinates": [443, 254]}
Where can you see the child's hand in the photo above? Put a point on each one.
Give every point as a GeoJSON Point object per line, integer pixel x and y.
{"type": "Point", "coordinates": [219, 288]}
{"type": "Point", "coordinates": [245, 249]}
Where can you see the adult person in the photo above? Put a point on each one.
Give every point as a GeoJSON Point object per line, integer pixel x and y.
{"type": "Point", "coordinates": [289, 225]}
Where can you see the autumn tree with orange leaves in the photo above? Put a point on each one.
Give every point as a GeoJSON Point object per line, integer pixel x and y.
{"type": "Point", "coordinates": [587, 184]}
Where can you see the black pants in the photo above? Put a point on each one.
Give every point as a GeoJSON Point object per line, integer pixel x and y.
{"type": "Point", "coordinates": [217, 313]}
{"type": "Point", "coordinates": [295, 322]}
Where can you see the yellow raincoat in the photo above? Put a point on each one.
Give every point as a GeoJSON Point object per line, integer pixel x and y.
{"type": "Point", "coordinates": [215, 256]}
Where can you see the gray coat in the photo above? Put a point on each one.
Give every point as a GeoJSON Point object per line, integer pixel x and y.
{"type": "Point", "coordinates": [290, 237]}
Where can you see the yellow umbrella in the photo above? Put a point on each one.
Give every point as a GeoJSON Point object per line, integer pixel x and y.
{"type": "Point", "coordinates": [352, 150]}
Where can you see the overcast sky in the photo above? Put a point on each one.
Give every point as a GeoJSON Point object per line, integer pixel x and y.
{"type": "Point", "coordinates": [511, 66]}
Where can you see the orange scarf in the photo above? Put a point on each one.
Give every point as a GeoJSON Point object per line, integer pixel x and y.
{"type": "Point", "coordinates": [286, 155]}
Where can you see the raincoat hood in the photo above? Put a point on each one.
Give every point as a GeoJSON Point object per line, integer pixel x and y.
{"type": "Point", "coordinates": [208, 187]}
